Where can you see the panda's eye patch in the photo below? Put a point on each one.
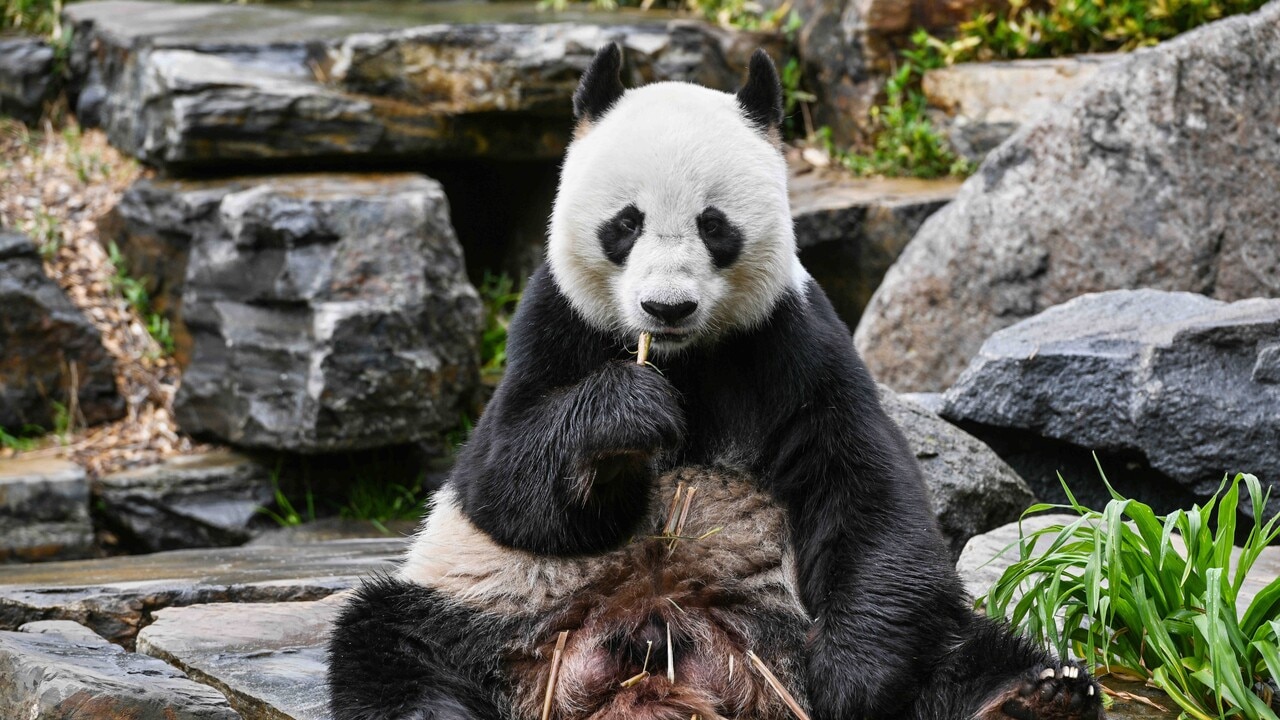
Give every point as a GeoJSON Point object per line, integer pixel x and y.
{"type": "Point", "coordinates": [619, 233]}
{"type": "Point", "coordinates": [722, 238]}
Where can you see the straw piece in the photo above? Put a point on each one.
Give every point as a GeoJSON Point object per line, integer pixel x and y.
{"type": "Point", "coordinates": [776, 686]}
{"type": "Point", "coordinates": [670, 526]}
{"type": "Point", "coordinates": [642, 353]}
{"type": "Point", "coordinates": [671, 658]}
{"type": "Point", "coordinates": [555, 673]}
{"type": "Point", "coordinates": [636, 679]}
{"type": "Point", "coordinates": [731, 668]}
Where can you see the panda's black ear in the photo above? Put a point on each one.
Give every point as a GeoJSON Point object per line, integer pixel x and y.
{"type": "Point", "coordinates": [761, 96]}
{"type": "Point", "coordinates": [600, 86]}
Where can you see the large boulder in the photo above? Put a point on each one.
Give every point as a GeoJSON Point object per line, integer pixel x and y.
{"type": "Point", "coordinates": [328, 313]}
{"type": "Point", "coordinates": [1185, 385]}
{"type": "Point", "coordinates": [42, 335]}
{"type": "Point", "coordinates": [190, 87]}
{"type": "Point", "coordinates": [1163, 173]}
{"type": "Point", "coordinates": [971, 488]}
{"type": "Point", "coordinates": [26, 77]}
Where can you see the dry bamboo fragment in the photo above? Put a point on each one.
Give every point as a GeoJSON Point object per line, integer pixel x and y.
{"type": "Point", "coordinates": [776, 686]}
{"type": "Point", "coordinates": [672, 515]}
{"type": "Point", "coordinates": [636, 679]}
{"type": "Point", "coordinates": [555, 673]}
{"type": "Point", "coordinates": [642, 353]}
{"type": "Point", "coordinates": [671, 659]}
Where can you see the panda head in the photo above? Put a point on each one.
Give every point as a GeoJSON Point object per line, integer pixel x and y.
{"type": "Point", "coordinates": [672, 215]}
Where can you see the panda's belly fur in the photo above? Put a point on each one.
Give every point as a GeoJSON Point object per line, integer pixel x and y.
{"type": "Point", "coordinates": [727, 586]}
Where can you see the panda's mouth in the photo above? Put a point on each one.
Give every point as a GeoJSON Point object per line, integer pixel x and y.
{"type": "Point", "coordinates": [671, 335]}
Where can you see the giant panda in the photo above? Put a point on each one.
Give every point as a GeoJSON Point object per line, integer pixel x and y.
{"type": "Point", "coordinates": [733, 521]}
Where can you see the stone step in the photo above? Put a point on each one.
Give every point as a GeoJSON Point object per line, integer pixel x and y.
{"type": "Point", "coordinates": [979, 105]}
{"type": "Point", "coordinates": [850, 230]}
{"type": "Point", "coordinates": [195, 87]}
{"type": "Point", "coordinates": [44, 510]}
{"type": "Point", "coordinates": [187, 501]}
{"type": "Point", "coordinates": [116, 596]}
{"type": "Point", "coordinates": [60, 672]}
{"type": "Point", "coordinates": [268, 659]}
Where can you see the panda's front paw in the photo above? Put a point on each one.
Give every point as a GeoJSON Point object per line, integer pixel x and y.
{"type": "Point", "coordinates": [1048, 692]}
{"type": "Point", "coordinates": [628, 411]}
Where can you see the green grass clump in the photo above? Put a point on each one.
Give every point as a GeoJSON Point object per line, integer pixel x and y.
{"type": "Point", "coordinates": [134, 292]}
{"type": "Point", "coordinates": [33, 17]}
{"type": "Point", "coordinates": [1070, 27]}
{"type": "Point", "coordinates": [740, 14]}
{"type": "Point", "coordinates": [499, 295]}
{"type": "Point", "coordinates": [383, 502]}
{"type": "Point", "coordinates": [1114, 588]}
{"type": "Point", "coordinates": [24, 440]}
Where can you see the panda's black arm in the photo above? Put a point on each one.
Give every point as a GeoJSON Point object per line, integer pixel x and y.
{"type": "Point", "coordinates": [874, 572]}
{"type": "Point", "coordinates": [561, 461]}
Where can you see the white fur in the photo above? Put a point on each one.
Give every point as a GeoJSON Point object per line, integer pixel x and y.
{"type": "Point", "coordinates": [673, 149]}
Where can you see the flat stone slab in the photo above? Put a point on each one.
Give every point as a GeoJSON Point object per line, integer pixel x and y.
{"type": "Point", "coordinates": [53, 677]}
{"type": "Point", "coordinates": [850, 230]}
{"type": "Point", "coordinates": [268, 659]}
{"type": "Point", "coordinates": [187, 501]}
{"type": "Point", "coordinates": [189, 87]}
{"type": "Point", "coordinates": [44, 510]}
{"type": "Point", "coordinates": [116, 596]}
{"type": "Point", "coordinates": [979, 105]}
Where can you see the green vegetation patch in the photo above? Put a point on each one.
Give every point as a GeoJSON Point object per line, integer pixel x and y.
{"type": "Point", "coordinates": [1071, 27]}
{"type": "Point", "coordinates": [1153, 598]}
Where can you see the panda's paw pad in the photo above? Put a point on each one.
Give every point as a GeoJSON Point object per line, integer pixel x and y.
{"type": "Point", "coordinates": [1063, 692]}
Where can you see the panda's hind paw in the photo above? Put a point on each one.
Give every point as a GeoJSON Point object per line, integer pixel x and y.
{"type": "Point", "coordinates": [1047, 692]}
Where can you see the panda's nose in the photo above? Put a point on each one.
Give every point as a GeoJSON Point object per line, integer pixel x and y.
{"type": "Point", "coordinates": [669, 314]}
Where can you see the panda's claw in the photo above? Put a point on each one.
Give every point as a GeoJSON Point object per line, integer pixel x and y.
{"type": "Point", "coordinates": [1055, 692]}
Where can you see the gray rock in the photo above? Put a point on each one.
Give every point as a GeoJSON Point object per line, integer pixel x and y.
{"type": "Point", "coordinates": [269, 660]}
{"type": "Point", "coordinates": [979, 105]}
{"type": "Point", "coordinates": [1152, 176]}
{"type": "Point", "coordinates": [972, 490]}
{"type": "Point", "coordinates": [41, 335]}
{"type": "Point", "coordinates": [116, 596]}
{"type": "Point", "coordinates": [1167, 376]}
{"type": "Point", "coordinates": [328, 313]}
{"type": "Point", "coordinates": [26, 77]}
{"type": "Point", "coordinates": [73, 631]}
{"type": "Point", "coordinates": [850, 230]}
{"type": "Point", "coordinates": [44, 510]}
{"type": "Point", "coordinates": [52, 677]}
{"type": "Point", "coordinates": [186, 501]}
{"type": "Point", "coordinates": [194, 87]}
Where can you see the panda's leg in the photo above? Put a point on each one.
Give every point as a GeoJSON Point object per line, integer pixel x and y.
{"type": "Point", "coordinates": [400, 651]}
{"type": "Point", "coordinates": [993, 674]}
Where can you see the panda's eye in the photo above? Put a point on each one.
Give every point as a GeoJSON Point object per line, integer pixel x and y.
{"type": "Point", "coordinates": [722, 238]}
{"type": "Point", "coordinates": [619, 233]}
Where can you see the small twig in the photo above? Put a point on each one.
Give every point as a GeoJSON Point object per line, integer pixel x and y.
{"type": "Point", "coordinates": [1132, 697]}
{"type": "Point", "coordinates": [555, 673]}
{"type": "Point", "coordinates": [777, 687]}
{"type": "Point", "coordinates": [684, 516]}
{"type": "Point", "coordinates": [635, 679]}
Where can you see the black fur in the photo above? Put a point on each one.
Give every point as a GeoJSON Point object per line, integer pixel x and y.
{"type": "Point", "coordinates": [619, 233]}
{"type": "Point", "coordinates": [761, 96]}
{"type": "Point", "coordinates": [722, 238]}
{"type": "Point", "coordinates": [893, 636]}
{"type": "Point", "coordinates": [600, 86]}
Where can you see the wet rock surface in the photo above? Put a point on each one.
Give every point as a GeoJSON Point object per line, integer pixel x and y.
{"type": "Point", "coordinates": [268, 659]}
{"type": "Point", "coordinates": [52, 676]}
{"type": "Point", "coordinates": [187, 501]}
{"type": "Point", "coordinates": [1152, 176]}
{"type": "Point", "coordinates": [1171, 378]}
{"type": "Point", "coordinates": [979, 105]}
{"type": "Point", "coordinates": [328, 313]}
{"type": "Point", "coordinates": [26, 77]}
{"type": "Point", "coordinates": [44, 510]}
{"type": "Point", "coordinates": [42, 335]}
{"type": "Point", "coordinates": [850, 230]}
{"type": "Point", "coordinates": [116, 596]}
{"type": "Point", "coordinates": [971, 488]}
{"type": "Point", "coordinates": [200, 86]}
